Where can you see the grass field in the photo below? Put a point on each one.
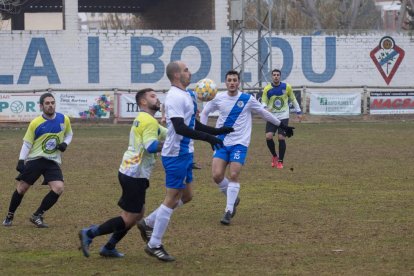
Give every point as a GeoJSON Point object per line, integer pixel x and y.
{"type": "Point", "coordinates": [343, 205]}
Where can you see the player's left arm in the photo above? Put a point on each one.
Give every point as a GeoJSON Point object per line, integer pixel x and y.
{"type": "Point", "coordinates": [291, 95]}
{"type": "Point", "coordinates": [207, 109]}
{"type": "Point", "coordinates": [150, 136]}
{"type": "Point", "coordinates": [67, 136]}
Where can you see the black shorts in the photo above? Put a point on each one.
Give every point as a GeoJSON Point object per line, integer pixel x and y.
{"type": "Point", "coordinates": [133, 193]}
{"type": "Point", "coordinates": [35, 168]}
{"type": "Point", "coordinates": [273, 128]}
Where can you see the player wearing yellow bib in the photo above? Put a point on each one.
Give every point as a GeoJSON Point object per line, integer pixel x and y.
{"type": "Point", "coordinates": [275, 98]}
{"type": "Point", "coordinates": [145, 140]}
{"type": "Point", "coordinates": [46, 138]}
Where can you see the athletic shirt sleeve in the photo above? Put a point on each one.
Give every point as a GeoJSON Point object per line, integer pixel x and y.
{"type": "Point", "coordinates": [265, 99]}
{"type": "Point", "coordinates": [208, 108]}
{"type": "Point", "coordinates": [162, 133]}
{"type": "Point", "coordinates": [292, 98]}
{"type": "Point", "coordinates": [149, 131]}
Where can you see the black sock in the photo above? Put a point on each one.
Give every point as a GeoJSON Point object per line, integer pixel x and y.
{"type": "Point", "coordinates": [282, 150]}
{"type": "Point", "coordinates": [48, 201]}
{"type": "Point", "coordinates": [115, 238]}
{"type": "Point", "coordinates": [110, 226]}
{"type": "Point", "coordinates": [15, 201]}
{"type": "Point", "coordinates": [271, 145]}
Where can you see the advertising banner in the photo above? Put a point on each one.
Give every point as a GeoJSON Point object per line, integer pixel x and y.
{"type": "Point", "coordinates": [84, 104]}
{"type": "Point", "coordinates": [344, 103]}
{"type": "Point", "coordinates": [127, 107]}
{"type": "Point", "coordinates": [391, 102]}
{"type": "Point", "coordinates": [22, 107]}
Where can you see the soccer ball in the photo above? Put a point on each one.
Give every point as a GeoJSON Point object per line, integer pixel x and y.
{"type": "Point", "coordinates": [206, 90]}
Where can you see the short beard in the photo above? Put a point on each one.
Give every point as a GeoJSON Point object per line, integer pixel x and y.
{"type": "Point", "coordinates": [155, 108]}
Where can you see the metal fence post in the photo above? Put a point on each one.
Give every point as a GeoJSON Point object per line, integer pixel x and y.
{"type": "Point", "coordinates": [304, 100]}
{"type": "Point", "coordinates": [115, 105]}
{"type": "Point", "coordinates": [365, 100]}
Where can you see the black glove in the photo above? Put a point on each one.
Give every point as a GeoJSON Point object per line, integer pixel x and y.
{"type": "Point", "coordinates": [287, 129]}
{"type": "Point", "coordinates": [20, 166]}
{"type": "Point", "coordinates": [62, 146]}
{"type": "Point", "coordinates": [225, 130]}
{"type": "Point", "coordinates": [215, 142]}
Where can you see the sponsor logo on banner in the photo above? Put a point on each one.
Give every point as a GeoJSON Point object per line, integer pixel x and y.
{"type": "Point", "coordinates": [392, 102]}
{"type": "Point", "coordinates": [84, 104]}
{"type": "Point", "coordinates": [335, 103]}
{"type": "Point", "coordinates": [24, 107]}
{"type": "Point", "coordinates": [19, 107]}
{"type": "Point", "coordinates": [387, 57]}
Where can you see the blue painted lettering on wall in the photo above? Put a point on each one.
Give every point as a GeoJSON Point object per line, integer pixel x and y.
{"type": "Point", "coordinates": [205, 54]}
{"type": "Point", "coordinates": [138, 59]}
{"type": "Point", "coordinates": [93, 59]}
{"type": "Point", "coordinates": [330, 60]}
{"type": "Point", "coordinates": [38, 48]}
{"type": "Point", "coordinates": [38, 45]}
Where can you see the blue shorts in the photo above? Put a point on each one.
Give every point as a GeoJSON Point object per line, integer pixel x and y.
{"type": "Point", "coordinates": [178, 170]}
{"type": "Point", "coordinates": [236, 153]}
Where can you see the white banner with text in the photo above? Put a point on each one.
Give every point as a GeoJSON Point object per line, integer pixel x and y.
{"type": "Point", "coordinates": [344, 103]}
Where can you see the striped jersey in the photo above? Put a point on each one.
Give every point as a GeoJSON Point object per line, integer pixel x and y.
{"type": "Point", "coordinates": [234, 111]}
{"type": "Point", "coordinates": [137, 162]}
{"type": "Point", "coordinates": [179, 104]}
{"type": "Point", "coordinates": [45, 134]}
{"type": "Point", "coordinates": [276, 99]}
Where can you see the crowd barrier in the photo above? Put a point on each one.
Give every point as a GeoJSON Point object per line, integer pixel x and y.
{"type": "Point", "coordinates": [119, 104]}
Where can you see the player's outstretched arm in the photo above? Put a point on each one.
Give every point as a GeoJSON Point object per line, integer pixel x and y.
{"type": "Point", "coordinates": [212, 130]}
{"type": "Point", "coordinates": [182, 129]}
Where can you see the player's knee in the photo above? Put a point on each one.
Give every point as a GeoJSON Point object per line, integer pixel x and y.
{"type": "Point", "coordinates": [187, 198]}
{"type": "Point", "coordinates": [22, 188]}
{"type": "Point", "coordinates": [58, 188]}
{"type": "Point", "coordinates": [234, 177]}
{"type": "Point", "coordinates": [218, 177]}
{"type": "Point", "coordinates": [130, 219]}
{"type": "Point", "coordinates": [269, 136]}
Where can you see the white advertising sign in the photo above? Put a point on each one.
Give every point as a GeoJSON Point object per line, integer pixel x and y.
{"type": "Point", "coordinates": [127, 107]}
{"type": "Point", "coordinates": [22, 107]}
{"type": "Point", "coordinates": [344, 103]}
{"type": "Point", "coordinates": [84, 104]}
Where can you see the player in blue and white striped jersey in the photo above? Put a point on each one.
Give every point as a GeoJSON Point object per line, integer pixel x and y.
{"type": "Point", "coordinates": [235, 110]}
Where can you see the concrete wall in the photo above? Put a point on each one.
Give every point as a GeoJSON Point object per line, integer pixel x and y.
{"type": "Point", "coordinates": [74, 59]}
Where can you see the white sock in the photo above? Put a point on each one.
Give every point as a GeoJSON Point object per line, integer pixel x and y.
{"type": "Point", "coordinates": [223, 186]}
{"type": "Point", "coordinates": [161, 223]}
{"type": "Point", "coordinates": [232, 193]}
{"type": "Point", "coordinates": [150, 219]}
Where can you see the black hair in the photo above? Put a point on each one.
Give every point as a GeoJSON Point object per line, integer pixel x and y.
{"type": "Point", "coordinates": [141, 93]}
{"type": "Point", "coordinates": [233, 72]}
{"type": "Point", "coordinates": [276, 70]}
{"type": "Point", "coordinates": [45, 95]}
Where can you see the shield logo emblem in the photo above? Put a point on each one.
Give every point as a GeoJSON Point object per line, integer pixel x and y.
{"type": "Point", "coordinates": [387, 57]}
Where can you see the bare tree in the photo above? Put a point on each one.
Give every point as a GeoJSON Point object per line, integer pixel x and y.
{"type": "Point", "coordinates": [322, 14]}
{"type": "Point", "coordinates": [308, 8]}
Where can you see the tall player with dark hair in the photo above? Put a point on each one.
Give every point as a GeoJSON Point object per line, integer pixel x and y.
{"type": "Point", "coordinates": [235, 110]}
{"type": "Point", "coordinates": [275, 98]}
{"type": "Point", "coordinates": [47, 136]}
